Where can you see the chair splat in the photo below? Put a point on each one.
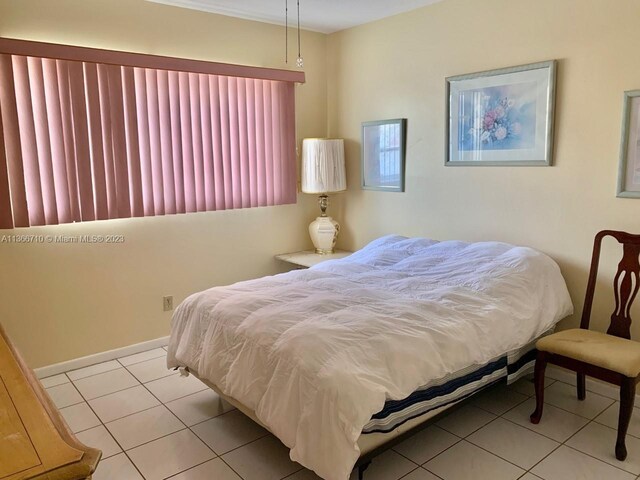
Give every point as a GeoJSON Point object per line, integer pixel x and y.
{"type": "Point", "coordinates": [625, 286]}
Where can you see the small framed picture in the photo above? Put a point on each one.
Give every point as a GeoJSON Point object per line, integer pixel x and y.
{"type": "Point", "coordinates": [629, 167]}
{"type": "Point", "coordinates": [502, 117]}
{"type": "Point", "coordinates": [383, 153]}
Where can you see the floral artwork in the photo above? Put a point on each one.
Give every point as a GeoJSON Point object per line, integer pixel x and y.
{"type": "Point", "coordinates": [498, 118]}
{"type": "Point", "coordinates": [502, 117]}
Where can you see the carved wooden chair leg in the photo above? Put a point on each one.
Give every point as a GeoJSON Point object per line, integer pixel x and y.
{"type": "Point", "coordinates": [538, 380]}
{"type": "Point", "coordinates": [627, 397]}
{"type": "Point", "coordinates": [581, 386]}
{"type": "Point", "coordinates": [361, 470]}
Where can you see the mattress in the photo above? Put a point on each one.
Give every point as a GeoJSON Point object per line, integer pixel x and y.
{"type": "Point", "coordinates": [317, 353]}
{"type": "Point", "coordinates": [453, 388]}
{"type": "Point", "coordinates": [428, 401]}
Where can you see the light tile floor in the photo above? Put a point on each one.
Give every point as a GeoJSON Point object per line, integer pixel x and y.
{"type": "Point", "coordinates": [153, 424]}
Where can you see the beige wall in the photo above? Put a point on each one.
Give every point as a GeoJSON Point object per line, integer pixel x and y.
{"type": "Point", "coordinates": [396, 68]}
{"type": "Point", "coordinates": [64, 301]}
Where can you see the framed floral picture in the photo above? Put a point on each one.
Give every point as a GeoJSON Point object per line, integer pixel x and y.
{"type": "Point", "coordinates": [502, 117]}
{"type": "Point", "coordinates": [629, 169]}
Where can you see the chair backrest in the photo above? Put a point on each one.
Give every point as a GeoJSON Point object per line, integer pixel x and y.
{"type": "Point", "coordinates": [625, 283]}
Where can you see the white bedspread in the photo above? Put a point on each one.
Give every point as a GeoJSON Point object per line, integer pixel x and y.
{"type": "Point", "coordinates": [315, 353]}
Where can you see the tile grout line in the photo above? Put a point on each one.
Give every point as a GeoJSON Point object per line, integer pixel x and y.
{"type": "Point", "coordinates": [112, 436]}
{"type": "Point", "coordinates": [529, 470]}
{"type": "Point", "coordinates": [524, 469]}
{"type": "Point", "coordinates": [99, 373]}
{"type": "Point", "coordinates": [539, 433]}
{"type": "Point", "coordinates": [115, 391]}
{"type": "Point", "coordinates": [194, 433]}
{"type": "Point", "coordinates": [211, 418]}
{"type": "Point", "coordinates": [144, 409]}
{"type": "Point", "coordinates": [234, 448]}
{"type": "Point", "coordinates": [589, 420]}
{"type": "Point", "coordinates": [161, 403]}
{"type": "Point", "coordinates": [495, 417]}
{"type": "Point", "coordinates": [123, 450]}
{"type": "Point", "coordinates": [192, 467]}
{"type": "Point", "coordinates": [73, 404]}
{"type": "Point", "coordinates": [170, 370]}
{"type": "Point", "coordinates": [533, 397]}
{"type": "Point", "coordinates": [131, 414]}
{"type": "Point", "coordinates": [215, 455]}
{"type": "Point", "coordinates": [95, 374]}
{"type": "Point", "coordinates": [421, 464]}
{"type": "Point", "coordinates": [599, 460]}
{"type": "Point", "coordinates": [429, 471]}
{"type": "Point", "coordinates": [508, 409]}
{"type": "Point", "coordinates": [440, 453]}
{"type": "Point", "coordinates": [141, 361]}
{"type": "Point", "coordinates": [233, 470]}
{"type": "Point", "coordinates": [575, 413]}
{"type": "Point", "coordinates": [132, 386]}
{"type": "Point", "coordinates": [173, 399]}
{"type": "Point", "coordinates": [564, 443]}
{"type": "Point", "coordinates": [560, 444]}
{"type": "Point", "coordinates": [221, 456]}
{"type": "Point", "coordinates": [405, 457]}
{"type": "Point", "coordinates": [496, 455]}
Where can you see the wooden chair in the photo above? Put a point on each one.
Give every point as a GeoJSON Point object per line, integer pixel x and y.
{"type": "Point", "coordinates": [611, 357]}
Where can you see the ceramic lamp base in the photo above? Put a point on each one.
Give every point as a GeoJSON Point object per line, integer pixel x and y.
{"type": "Point", "coordinates": [324, 233]}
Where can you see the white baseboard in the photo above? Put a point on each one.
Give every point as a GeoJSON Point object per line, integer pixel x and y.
{"type": "Point", "coordinates": [553, 371]}
{"type": "Point", "coordinates": [81, 362]}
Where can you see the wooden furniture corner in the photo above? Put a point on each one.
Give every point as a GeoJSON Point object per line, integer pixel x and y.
{"type": "Point", "coordinates": [35, 441]}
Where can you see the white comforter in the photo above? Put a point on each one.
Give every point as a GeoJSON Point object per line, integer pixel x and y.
{"type": "Point", "coordinates": [315, 353]}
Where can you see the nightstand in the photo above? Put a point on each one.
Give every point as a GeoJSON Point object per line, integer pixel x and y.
{"type": "Point", "coordinates": [309, 258]}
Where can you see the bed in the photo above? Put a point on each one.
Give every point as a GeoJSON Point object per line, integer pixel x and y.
{"type": "Point", "coordinates": [341, 358]}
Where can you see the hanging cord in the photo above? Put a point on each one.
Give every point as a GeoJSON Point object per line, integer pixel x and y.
{"type": "Point", "coordinates": [299, 61]}
{"type": "Point", "coordinates": [286, 31]}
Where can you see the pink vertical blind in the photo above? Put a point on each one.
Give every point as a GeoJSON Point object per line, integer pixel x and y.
{"type": "Point", "coordinates": [91, 140]}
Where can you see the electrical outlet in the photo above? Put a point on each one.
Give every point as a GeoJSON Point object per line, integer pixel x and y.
{"type": "Point", "coordinates": [167, 303]}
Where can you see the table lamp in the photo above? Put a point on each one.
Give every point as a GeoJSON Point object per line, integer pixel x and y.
{"type": "Point", "coordinates": [323, 172]}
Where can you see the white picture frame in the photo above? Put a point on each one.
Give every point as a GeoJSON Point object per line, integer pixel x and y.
{"type": "Point", "coordinates": [629, 164]}
{"type": "Point", "coordinates": [501, 117]}
{"type": "Point", "coordinates": [383, 155]}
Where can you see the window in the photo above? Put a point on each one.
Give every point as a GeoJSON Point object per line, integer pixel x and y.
{"type": "Point", "coordinates": [93, 134]}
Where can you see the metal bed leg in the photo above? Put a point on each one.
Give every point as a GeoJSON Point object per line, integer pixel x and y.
{"type": "Point", "coordinates": [361, 470]}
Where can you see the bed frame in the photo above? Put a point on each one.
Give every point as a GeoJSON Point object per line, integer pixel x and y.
{"type": "Point", "coordinates": [411, 427]}
{"type": "Point", "coordinates": [375, 443]}
{"type": "Point", "coordinates": [365, 460]}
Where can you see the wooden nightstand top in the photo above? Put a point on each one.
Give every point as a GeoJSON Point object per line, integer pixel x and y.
{"type": "Point", "coordinates": [309, 258]}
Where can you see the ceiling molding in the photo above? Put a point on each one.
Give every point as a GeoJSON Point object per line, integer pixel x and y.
{"type": "Point", "coordinates": [228, 11]}
{"type": "Point", "coordinates": [324, 16]}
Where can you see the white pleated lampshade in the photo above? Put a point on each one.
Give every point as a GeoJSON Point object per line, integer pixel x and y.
{"type": "Point", "coordinates": [323, 169]}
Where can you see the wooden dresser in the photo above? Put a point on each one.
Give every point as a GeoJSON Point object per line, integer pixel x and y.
{"type": "Point", "coordinates": [35, 442]}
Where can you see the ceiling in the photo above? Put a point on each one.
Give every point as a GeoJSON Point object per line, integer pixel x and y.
{"type": "Point", "coordinates": [326, 16]}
